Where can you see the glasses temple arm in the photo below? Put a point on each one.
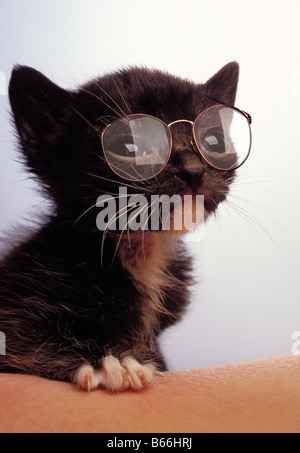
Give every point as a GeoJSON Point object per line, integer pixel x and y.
{"type": "Point", "coordinates": [247, 115]}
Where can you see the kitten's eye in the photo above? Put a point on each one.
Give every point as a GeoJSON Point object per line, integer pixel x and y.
{"type": "Point", "coordinates": [124, 146]}
{"type": "Point", "coordinates": [214, 142]}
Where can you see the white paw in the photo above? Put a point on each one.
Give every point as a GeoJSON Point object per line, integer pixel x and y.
{"type": "Point", "coordinates": [116, 376]}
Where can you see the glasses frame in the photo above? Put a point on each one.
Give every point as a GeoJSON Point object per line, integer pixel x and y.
{"type": "Point", "coordinates": [249, 121]}
{"type": "Point", "coordinates": [193, 142]}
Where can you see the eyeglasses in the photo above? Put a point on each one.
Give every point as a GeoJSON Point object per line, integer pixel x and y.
{"type": "Point", "coordinates": [137, 147]}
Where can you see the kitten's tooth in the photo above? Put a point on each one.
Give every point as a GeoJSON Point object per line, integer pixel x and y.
{"type": "Point", "coordinates": [158, 373]}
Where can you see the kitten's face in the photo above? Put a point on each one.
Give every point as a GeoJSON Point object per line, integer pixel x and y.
{"type": "Point", "coordinates": [65, 151]}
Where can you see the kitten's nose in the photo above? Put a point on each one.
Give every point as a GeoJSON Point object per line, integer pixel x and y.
{"type": "Point", "coordinates": [192, 176]}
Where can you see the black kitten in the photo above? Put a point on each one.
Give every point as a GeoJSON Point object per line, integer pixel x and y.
{"type": "Point", "coordinates": [82, 305]}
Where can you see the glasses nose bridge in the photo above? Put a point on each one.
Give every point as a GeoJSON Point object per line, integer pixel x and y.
{"type": "Point", "coordinates": [183, 121]}
{"type": "Point", "coordinates": [180, 121]}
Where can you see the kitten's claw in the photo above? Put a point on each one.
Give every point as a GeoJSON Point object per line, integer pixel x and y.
{"type": "Point", "coordinates": [117, 376]}
{"type": "Point", "coordinates": [86, 378]}
{"type": "Point", "coordinates": [130, 382]}
{"type": "Point", "coordinates": [89, 384]}
{"type": "Point", "coordinates": [140, 375]}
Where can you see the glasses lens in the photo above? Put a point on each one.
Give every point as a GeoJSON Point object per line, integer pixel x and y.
{"type": "Point", "coordinates": [223, 137]}
{"type": "Point", "coordinates": [136, 147]}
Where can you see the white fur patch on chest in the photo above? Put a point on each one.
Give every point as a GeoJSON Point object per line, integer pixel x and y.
{"type": "Point", "coordinates": [146, 258]}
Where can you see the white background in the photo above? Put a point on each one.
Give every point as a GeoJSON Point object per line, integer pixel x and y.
{"type": "Point", "coordinates": [246, 304]}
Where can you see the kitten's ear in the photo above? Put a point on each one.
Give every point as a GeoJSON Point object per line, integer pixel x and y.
{"type": "Point", "coordinates": [223, 85]}
{"type": "Point", "coordinates": [38, 106]}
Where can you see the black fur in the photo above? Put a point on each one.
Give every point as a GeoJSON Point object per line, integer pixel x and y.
{"type": "Point", "coordinates": [66, 296]}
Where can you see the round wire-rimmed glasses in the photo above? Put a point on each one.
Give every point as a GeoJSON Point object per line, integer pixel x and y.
{"type": "Point", "coordinates": [137, 147]}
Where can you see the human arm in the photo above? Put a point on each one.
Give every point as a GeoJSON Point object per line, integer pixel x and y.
{"type": "Point", "coordinates": [255, 396]}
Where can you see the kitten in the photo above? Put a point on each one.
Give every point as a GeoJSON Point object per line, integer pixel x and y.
{"type": "Point", "coordinates": [82, 305]}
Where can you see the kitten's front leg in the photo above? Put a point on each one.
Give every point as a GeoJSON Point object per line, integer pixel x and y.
{"type": "Point", "coordinates": [116, 375]}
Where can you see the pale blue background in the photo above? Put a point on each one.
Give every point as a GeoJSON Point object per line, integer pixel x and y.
{"type": "Point", "coordinates": [247, 304]}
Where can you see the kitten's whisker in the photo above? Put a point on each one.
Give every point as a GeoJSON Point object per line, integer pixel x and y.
{"type": "Point", "coordinates": [250, 218]}
{"type": "Point", "coordinates": [128, 174]}
{"type": "Point", "coordinates": [108, 95]}
{"type": "Point", "coordinates": [129, 240]}
{"type": "Point", "coordinates": [128, 236]}
{"type": "Point", "coordinates": [141, 210]}
{"type": "Point", "coordinates": [101, 100]}
{"type": "Point", "coordinates": [85, 212]}
{"type": "Point", "coordinates": [149, 206]}
{"type": "Point", "coordinates": [95, 205]}
{"type": "Point", "coordinates": [271, 214]}
{"type": "Point", "coordinates": [114, 218]}
{"type": "Point", "coordinates": [244, 200]}
{"type": "Point", "coordinates": [121, 95]}
{"type": "Point", "coordinates": [117, 182]}
{"type": "Point", "coordinates": [108, 118]}
{"type": "Point", "coordinates": [135, 170]}
{"type": "Point", "coordinates": [99, 156]}
{"type": "Point", "coordinates": [93, 125]}
{"type": "Point", "coordinates": [120, 237]}
{"type": "Point", "coordinates": [118, 195]}
{"type": "Point", "coordinates": [118, 215]}
{"type": "Point", "coordinates": [140, 182]}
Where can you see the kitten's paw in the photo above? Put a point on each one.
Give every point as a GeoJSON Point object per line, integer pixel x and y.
{"type": "Point", "coordinates": [86, 378]}
{"type": "Point", "coordinates": [116, 376]}
{"type": "Point", "coordinates": [127, 374]}
{"type": "Point", "coordinates": [140, 376]}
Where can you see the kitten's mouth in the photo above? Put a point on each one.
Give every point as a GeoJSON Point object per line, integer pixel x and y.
{"type": "Point", "coordinates": [209, 204]}
{"type": "Point", "coordinates": [188, 214]}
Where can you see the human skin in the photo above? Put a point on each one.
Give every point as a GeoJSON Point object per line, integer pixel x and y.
{"type": "Point", "coordinates": [256, 396]}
